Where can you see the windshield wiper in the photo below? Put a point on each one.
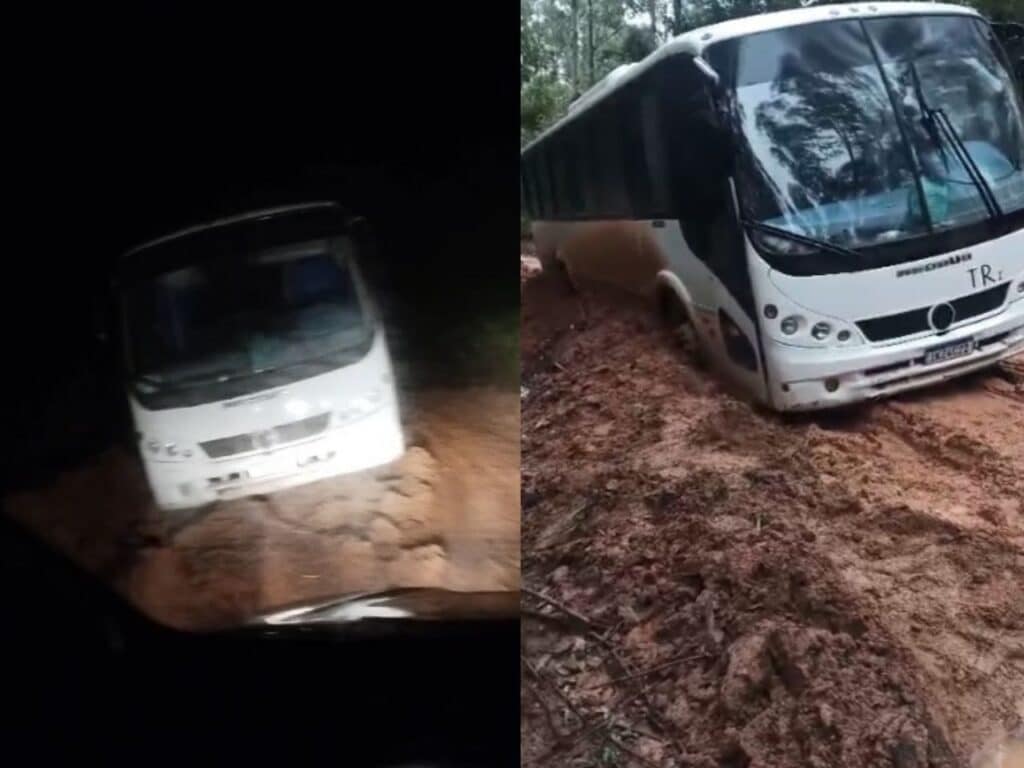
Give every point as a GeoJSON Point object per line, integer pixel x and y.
{"type": "Point", "coordinates": [193, 380]}
{"type": "Point", "coordinates": [325, 362]}
{"type": "Point", "coordinates": [933, 117]}
{"type": "Point", "coordinates": [813, 242]}
{"type": "Point", "coordinates": [408, 603]}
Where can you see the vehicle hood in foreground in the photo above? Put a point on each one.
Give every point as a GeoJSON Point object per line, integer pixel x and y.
{"type": "Point", "coordinates": [414, 604]}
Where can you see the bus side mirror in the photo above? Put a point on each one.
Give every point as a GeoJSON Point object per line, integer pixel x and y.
{"type": "Point", "coordinates": [707, 72]}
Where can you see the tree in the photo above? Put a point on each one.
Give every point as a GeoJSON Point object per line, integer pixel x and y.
{"type": "Point", "coordinates": [567, 45]}
{"type": "Point", "coordinates": [637, 44]}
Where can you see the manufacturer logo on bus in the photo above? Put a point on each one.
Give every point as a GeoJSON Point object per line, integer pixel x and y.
{"type": "Point", "coordinates": [265, 439]}
{"type": "Point", "coordinates": [949, 261]}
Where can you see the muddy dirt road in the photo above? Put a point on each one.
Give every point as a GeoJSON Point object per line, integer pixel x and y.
{"type": "Point", "coordinates": [713, 585]}
{"type": "Point", "coordinates": [445, 515]}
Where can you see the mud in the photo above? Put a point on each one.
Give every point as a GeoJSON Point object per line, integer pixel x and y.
{"type": "Point", "coordinates": [445, 515]}
{"type": "Point", "coordinates": [742, 589]}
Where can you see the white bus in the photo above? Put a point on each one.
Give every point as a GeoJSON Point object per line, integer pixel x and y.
{"type": "Point", "coordinates": [255, 356]}
{"type": "Point", "coordinates": [831, 198]}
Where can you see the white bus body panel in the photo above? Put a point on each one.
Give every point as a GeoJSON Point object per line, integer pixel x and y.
{"type": "Point", "coordinates": [371, 439]}
{"type": "Point", "coordinates": [640, 257]}
{"type": "Point", "coordinates": [643, 257]}
{"type": "Point", "coordinates": [798, 365]}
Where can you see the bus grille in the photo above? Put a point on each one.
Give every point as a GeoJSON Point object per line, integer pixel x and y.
{"type": "Point", "coordinates": [270, 438]}
{"type": "Point", "coordinates": [916, 320]}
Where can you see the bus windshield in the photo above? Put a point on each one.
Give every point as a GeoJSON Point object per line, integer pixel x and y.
{"type": "Point", "coordinates": [841, 134]}
{"type": "Point", "coordinates": [216, 321]}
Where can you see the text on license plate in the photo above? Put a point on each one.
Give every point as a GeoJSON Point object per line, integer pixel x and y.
{"type": "Point", "coordinates": [949, 351]}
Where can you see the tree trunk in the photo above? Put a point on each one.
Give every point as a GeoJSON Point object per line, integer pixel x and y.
{"type": "Point", "coordinates": [574, 58]}
{"type": "Point", "coordinates": [652, 9]}
{"type": "Point", "coordinates": [590, 38]}
{"type": "Point", "coordinates": [677, 17]}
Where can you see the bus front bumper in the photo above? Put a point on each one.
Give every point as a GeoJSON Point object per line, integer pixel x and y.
{"type": "Point", "coordinates": [813, 379]}
{"type": "Point", "coordinates": [370, 442]}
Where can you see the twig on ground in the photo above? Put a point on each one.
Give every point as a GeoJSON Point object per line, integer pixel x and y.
{"type": "Point", "coordinates": [535, 673]}
{"type": "Point", "coordinates": [551, 618]}
{"type": "Point", "coordinates": [556, 546]}
{"type": "Point", "coordinates": [648, 671]}
{"type": "Point", "coordinates": [559, 736]}
{"type": "Point", "coordinates": [643, 732]}
{"type": "Point", "coordinates": [585, 735]}
{"type": "Point", "coordinates": [629, 751]}
{"type": "Point", "coordinates": [561, 606]}
{"type": "Point", "coordinates": [624, 669]}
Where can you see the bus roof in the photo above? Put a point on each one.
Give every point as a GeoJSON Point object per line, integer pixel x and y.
{"type": "Point", "coordinates": [237, 219]}
{"type": "Point", "coordinates": [695, 41]}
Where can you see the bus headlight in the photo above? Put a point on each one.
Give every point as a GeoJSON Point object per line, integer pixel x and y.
{"type": "Point", "coordinates": [1020, 287]}
{"type": "Point", "coordinates": [361, 406]}
{"type": "Point", "coordinates": [168, 451]}
{"type": "Point", "coordinates": [790, 325]}
{"type": "Point", "coordinates": [821, 330]}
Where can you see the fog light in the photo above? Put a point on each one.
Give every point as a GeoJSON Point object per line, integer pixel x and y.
{"type": "Point", "coordinates": [1020, 287]}
{"type": "Point", "coordinates": [831, 384]}
{"type": "Point", "coordinates": [820, 331]}
{"type": "Point", "coordinates": [843, 335]}
{"type": "Point", "coordinates": [771, 311]}
{"type": "Point", "coordinates": [790, 325]}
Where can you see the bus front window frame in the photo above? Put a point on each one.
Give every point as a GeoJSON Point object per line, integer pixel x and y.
{"type": "Point", "coordinates": [808, 260]}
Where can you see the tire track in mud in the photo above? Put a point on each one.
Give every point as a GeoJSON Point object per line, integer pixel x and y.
{"type": "Point", "coordinates": [890, 538]}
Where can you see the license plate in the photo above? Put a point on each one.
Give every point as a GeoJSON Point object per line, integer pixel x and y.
{"type": "Point", "coordinates": [948, 352]}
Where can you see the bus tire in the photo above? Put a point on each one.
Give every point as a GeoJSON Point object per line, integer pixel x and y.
{"type": "Point", "coordinates": [558, 270]}
{"type": "Point", "coordinates": [549, 260]}
{"type": "Point", "coordinates": [676, 320]}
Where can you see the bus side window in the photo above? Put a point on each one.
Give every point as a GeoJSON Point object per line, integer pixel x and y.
{"type": "Point", "coordinates": [554, 197]}
{"type": "Point", "coordinates": [654, 150]}
{"type": "Point", "coordinates": [529, 186]}
{"type": "Point", "coordinates": [637, 174]}
{"type": "Point", "coordinates": [728, 255]}
{"type": "Point", "coordinates": [569, 169]}
{"type": "Point", "coordinates": [584, 170]}
{"type": "Point", "coordinates": [591, 165]}
{"type": "Point", "coordinates": [614, 156]}
{"type": "Point", "coordinates": [532, 187]}
{"type": "Point", "coordinates": [544, 207]}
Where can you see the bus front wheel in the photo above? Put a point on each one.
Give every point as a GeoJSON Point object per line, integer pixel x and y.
{"type": "Point", "coordinates": [677, 322]}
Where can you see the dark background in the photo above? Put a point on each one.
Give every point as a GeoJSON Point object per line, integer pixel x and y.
{"type": "Point", "coordinates": [122, 124]}
{"type": "Point", "coordinates": [128, 124]}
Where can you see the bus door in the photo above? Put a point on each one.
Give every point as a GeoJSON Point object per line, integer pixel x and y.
{"type": "Point", "coordinates": [735, 317]}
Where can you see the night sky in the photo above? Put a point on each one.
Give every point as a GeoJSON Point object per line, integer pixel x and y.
{"type": "Point", "coordinates": [127, 125]}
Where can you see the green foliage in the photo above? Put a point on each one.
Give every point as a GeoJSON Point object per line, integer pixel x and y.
{"type": "Point", "coordinates": [541, 100]}
{"type": "Point", "coordinates": [637, 44]}
{"type": "Point", "coordinates": [998, 10]}
{"type": "Point", "coordinates": [568, 45]}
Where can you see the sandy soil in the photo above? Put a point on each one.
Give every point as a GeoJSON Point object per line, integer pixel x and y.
{"type": "Point", "coordinates": [446, 515]}
{"type": "Point", "coordinates": [709, 584]}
